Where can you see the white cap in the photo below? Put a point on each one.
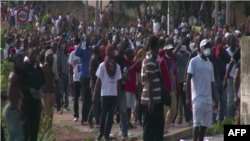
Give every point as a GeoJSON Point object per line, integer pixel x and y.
{"type": "Point", "coordinates": [204, 42]}
{"type": "Point", "coordinates": [227, 34]}
{"type": "Point", "coordinates": [237, 32]}
{"type": "Point", "coordinates": [168, 47]}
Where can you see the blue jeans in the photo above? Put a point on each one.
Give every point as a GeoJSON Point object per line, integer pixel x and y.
{"type": "Point", "coordinates": [220, 101]}
{"type": "Point", "coordinates": [230, 100]}
{"type": "Point", "coordinates": [65, 89]}
{"type": "Point", "coordinates": [123, 114]}
{"type": "Point", "coordinates": [95, 108]}
{"type": "Point", "coordinates": [15, 128]}
{"type": "Point", "coordinates": [108, 104]}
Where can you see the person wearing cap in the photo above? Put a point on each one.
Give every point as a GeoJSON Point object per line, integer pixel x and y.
{"type": "Point", "coordinates": [168, 71]}
{"type": "Point", "coordinates": [49, 88]}
{"type": "Point", "coordinates": [200, 73]}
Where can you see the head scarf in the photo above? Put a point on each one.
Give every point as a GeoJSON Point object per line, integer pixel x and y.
{"type": "Point", "coordinates": [218, 50]}
{"type": "Point", "coordinates": [110, 63]}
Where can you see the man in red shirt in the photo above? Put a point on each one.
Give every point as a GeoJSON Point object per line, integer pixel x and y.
{"type": "Point", "coordinates": [130, 85]}
{"type": "Point", "coordinates": [168, 70]}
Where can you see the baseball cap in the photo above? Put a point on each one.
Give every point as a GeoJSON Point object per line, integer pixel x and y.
{"type": "Point", "coordinates": [204, 42]}
{"type": "Point", "coordinates": [168, 47]}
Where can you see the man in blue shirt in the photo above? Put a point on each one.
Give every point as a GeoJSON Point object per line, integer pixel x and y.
{"type": "Point", "coordinates": [85, 55]}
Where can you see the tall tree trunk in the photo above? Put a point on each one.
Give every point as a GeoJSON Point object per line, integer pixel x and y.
{"type": "Point", "coordinates": [138, 11]}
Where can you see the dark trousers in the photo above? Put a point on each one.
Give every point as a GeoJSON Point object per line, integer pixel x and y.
{"type": "Point", "coordinates": [65, 89]}
{"type": "Point", "coordinates": [58, 97]}
{"type": "Point", "coordinates": [95, 108]}
{"type": "Point", "coordinates": [2, 134]}
{"type": "Point", "coordinates": [108, 104]}
{"type": "Point", "coordinates": [153, 125]}
{"type": "Point", "coordinates": [187, 111]}
{"type": "Point", "coordinates": [31, 110]}
{"type": "Point", "coordinates": [86, 98]}
{"type": "Point", "coordinates": [138, 104]}
{"type": "Point", "coordinates": [76, 93]}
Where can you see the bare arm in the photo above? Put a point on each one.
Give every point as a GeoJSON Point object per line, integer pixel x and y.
{"type": "Point", "coordinates": [13, 93]}
{"type": "Point", "coordinates": [118, 91]}
{"type": "Point", "coordinates": [188, 86]}
{"type": "Point", "coordinates": [97, 87]}
{"type": "Point", "coordinates": [150, 77]}
{"type": "Point", "coordinates": [236, 82]}
{"type": "Point", "coordinates": [230, 67]}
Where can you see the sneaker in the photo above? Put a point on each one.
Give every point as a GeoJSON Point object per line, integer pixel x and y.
{"type": "Point", "coordinates": [131, 126]}
{"type": "Point", "coordinates": [190, 123]}
{"type": "Point", "coordinates": [60, 111]}
{"type": "Point", "coordinates": [172, 124]}
{"type": "Point", "coordinates": [124, 138]}
{"type": "Point", "coordinates": [99, 137]}
{"type": "Point", "coordinates": [75, 119]}
{"type": "Point", "coordinates": [67, 109]}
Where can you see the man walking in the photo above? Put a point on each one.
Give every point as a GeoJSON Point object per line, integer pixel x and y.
{"type": "Point", "coordinates": [108, 77]}
{"type": "Point", "coordinates": [200, 72]}
{"type": "Point", "coordinates": [85, 54]}
{"type": "Point", "coordinates": [32, 82]}
{"type": "Point", "coordinates": [74, 77]}
{"type": "Point", "coordinates": [151, 95]}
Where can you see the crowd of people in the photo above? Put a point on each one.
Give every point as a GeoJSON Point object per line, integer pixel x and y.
{"type": "Point", "coordinates": [127, 72]}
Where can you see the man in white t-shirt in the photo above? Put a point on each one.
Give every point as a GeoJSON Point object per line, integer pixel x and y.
{"type": "Point", "coordinates": [31, 12]}
{"type": "Point", "coordinates": [74, 78]}
{"type": "Point", "coordinates": [200, 76]}
{"type": "Point", "coordinates": [156, 26]}
{"type": "Point", "coordinates": [132, 30]}
{"type": "Point", "coordinates": [108, 77]}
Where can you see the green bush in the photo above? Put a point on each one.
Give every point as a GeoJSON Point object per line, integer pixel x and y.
{"type": "Point", "coordinates": [6, 68]}
{"type": "Point", "coordinates": [2, 43]}
{"type": "Point", "coordinates": [218, 128]}
{"type": "Point", "coordinates": [89, 139]}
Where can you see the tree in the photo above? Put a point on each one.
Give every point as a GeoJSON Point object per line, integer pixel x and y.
{"type": "Point", "coordinates": [135, 4]}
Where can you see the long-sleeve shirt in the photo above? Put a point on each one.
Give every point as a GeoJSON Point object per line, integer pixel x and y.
{"type": "Point", "coordinates": [85, 55]}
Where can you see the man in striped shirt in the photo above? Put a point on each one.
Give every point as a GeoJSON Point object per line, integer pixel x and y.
{"type": "Point", "coordinates": [151, 95]}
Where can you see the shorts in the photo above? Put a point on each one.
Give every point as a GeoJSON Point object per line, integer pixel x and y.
{"type": "Point", "coordinates": [202, 114]}
{"type": "Point", "coordinates": [130, 99]}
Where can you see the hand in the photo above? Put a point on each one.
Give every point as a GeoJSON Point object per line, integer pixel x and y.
{"type": "Point", "coordinates": [224, 84]}
{"type": "Point", "coordinates": [236, 101]}
{"type": "Point", "coordinates": [188, 103]}
{"type": "Point", "coordinates": [118, 101]}
{"type": "Point", "coordinates": [33, 91]}
{"type": "Point", "coordinates": [21, 118]}
{"type": "Point", "coordinates": [93, 99]}
{"type": "Point", "coordinates": [70, 82]}
{"type": "Point", "coordinates": [184, 88]}
{"type": "Point", "coordinates": [214, 106]}
{"type": "Point", "coordinates": [150, 108]}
